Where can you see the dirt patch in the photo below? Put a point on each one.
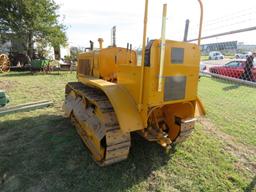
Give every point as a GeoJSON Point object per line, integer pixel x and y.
{"type": "Point", "coordinates": [7, 85]}
{"type": "Point", "coordinates": [243, 152]}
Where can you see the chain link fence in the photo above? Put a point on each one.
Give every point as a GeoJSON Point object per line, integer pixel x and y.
{"type": "Point", "coordinates": [227, 88]}
{"type": "Point", "coordinates": [227, 85]}
{"type": "Point", "coordinates": [230, 106]}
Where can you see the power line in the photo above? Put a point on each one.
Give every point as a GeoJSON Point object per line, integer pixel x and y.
{"type": "Point", "coordinates": [226, 33]}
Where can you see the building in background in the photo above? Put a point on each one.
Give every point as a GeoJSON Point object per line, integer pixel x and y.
{"type": "Point", "coordinates": [227, 48]}
{"type": "Point", "coordinates": [246, 48]}
{"type": "Point", "coordinates": [60, 52]}
{"type": "Point", "coordinates": [224, 47]}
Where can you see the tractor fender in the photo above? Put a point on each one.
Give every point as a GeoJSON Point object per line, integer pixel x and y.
{"type": "Point", "coordinates": [124, 105]}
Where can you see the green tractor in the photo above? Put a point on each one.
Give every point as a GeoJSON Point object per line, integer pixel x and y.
{"type": "Point", "coordinates": [4, 99]}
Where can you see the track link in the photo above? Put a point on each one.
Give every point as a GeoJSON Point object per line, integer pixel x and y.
{"type": "Point", "coordinates": [95, 120]}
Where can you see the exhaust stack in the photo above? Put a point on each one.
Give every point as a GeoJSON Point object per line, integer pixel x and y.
{"type": "Point", "coordinates": [91, 45]}
{"type": "Point", "coordinates": [113, 37]}
{"type": "Point", "coordinates": [185, 39]}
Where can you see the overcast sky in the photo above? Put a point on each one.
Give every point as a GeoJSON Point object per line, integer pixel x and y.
{"type": "Point", "coordinates": [91, 19]}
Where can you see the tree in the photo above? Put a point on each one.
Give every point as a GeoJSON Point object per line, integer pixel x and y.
{"type": "Point", "coordinates": [42, 49]}
{"type": "Point", "coordinates": [33, 21]}
{"type": "Point", "coordinates": [74, 52]}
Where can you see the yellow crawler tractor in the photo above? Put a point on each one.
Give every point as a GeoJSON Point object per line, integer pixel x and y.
{"type": "Point", "coordinates": [115, 95]}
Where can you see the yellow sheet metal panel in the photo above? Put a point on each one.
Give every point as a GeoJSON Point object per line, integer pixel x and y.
{"type": "Point", "coordinates": [103, 63]}
{"type": "Point", "coordinates": [110, 58]}
{"type": "Point", "coordinates": [129, 77]}
{"type": "Point", "coordinates": [107, 62]}
{"type": "Point", "coordinates": [123, 103]}
{"type": "Point", "coordinates": [96, 70]}
{"type": "Point", "coordinates": [189, 69]}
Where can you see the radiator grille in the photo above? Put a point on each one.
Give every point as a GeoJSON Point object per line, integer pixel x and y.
{"type": "Point", "coordinates": [84, 66]}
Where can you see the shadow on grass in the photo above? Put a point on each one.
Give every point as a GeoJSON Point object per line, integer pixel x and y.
{"type": "Point", "coordinates": [231, 84]}
{"type": "Point", "coordinates": [231, 87]}
{"type": "Point", "coordinates": [28, 73]}
{"type": "Point", "coordinates": [45, 153]}
{"type": "Point", "coordinates": [16, 74]}
{"type": "Point", "coordinates": [252, 186]}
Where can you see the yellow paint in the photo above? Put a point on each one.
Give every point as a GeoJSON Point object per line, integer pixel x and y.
{"type": "Point", "coordinates": [190, 69]}
{"type": "Point", "coordinates": [142, 98]}
{"type": "Point", "coordinates": [129, 76]}
{"type": "Point", "coordinates": [124, 91]}
{"type": "Point", "coordinates": [200, 110]}
{"type": "Point", "coordinates": [141, 86]}
{"type": "Point", "coordinates": [182, 110]}
{"type": "Point", "coordinates": [162, 48]}
{"type": "Point", "coordinates": [103, 62]}
{"type": "Point", "coordinates": [123, 104]}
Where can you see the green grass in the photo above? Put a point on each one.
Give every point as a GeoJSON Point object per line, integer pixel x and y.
{"type": "Point", "coordinates": [40, 150]}
{"type": "Point", "coordinates": [231, 107]}
{"type": "Point", "coordinates": [204, 58]}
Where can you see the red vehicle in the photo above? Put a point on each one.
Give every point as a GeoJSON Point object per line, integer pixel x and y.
{"type": "Point", "coordinates": [233, 69]}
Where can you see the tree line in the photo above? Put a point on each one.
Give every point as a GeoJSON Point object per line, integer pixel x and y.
{"type": "Point", "coordinates": [32, 21]}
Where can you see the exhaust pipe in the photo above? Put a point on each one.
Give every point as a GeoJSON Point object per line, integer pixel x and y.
{"type": "Point", "coordinates": [113, 36]}
{"type": "Point", "coordinates": [185, 39]}
{"type": "Point", "coordinates": [91, 45]}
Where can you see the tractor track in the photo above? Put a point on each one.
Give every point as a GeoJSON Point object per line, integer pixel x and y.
{"type": "Point", "coordinates": [99, 117]}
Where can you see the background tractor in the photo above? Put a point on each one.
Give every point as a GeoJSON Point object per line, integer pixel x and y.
{"type": "Point", "coordinates": [4, 99]}
{"type": "Point", "coordinates": [4, 63]}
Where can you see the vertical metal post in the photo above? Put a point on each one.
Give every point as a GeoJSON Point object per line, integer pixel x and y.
{"type": "Point", "coordinates": [163, 46]}
{"type": "Point", "coordinates": [143, 56]}
{"type": "Point", "coordinates": [186, 31]}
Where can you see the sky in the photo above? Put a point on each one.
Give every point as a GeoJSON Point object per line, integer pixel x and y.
{"type": "Point", "coordinates": [90, 19]}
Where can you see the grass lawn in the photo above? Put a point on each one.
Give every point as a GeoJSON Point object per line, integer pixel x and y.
{"type": "Point", "coordinates": [40, 150]}
{"type": "Point", "coordinates": [231, 107]}
{"type": "Point", "coordinates": [206, 57]}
